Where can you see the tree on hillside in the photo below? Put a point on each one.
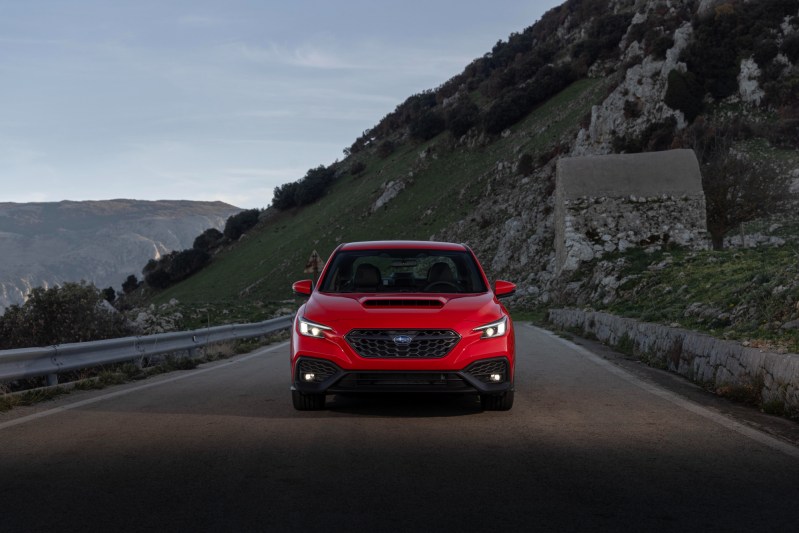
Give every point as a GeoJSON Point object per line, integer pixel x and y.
{"type": "Point", "coordinates": [208, 240]}
{"type": "Point", "coordinates": [427, 125]}
{"type": "Point", "coordinates": [187, 263]}
{"type": "Point", "coordinates": [303, 191]}
{"type": "Point", "coordinates": [74, 312]}
{"type": "Point", "coordinates": [737, 188]}
{"type": "Point", "coordinates": [462, 117]}
{"type": "Point", "coordinates": [240, 223]}
{"type": "Point", "coordinates": [284, 196]}
{"type": "Point", "coordinates": [130, 284]}
{"type": "Point", "coordinates": [109, 294]}
{"type": "Point", "coordinates": [314, 185]}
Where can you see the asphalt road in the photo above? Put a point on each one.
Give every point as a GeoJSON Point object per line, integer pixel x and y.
{"type": "Point", "coordinates": [589, 446]}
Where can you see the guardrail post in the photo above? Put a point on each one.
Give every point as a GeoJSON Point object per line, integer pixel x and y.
{"type": "Point", "coordinates": [52, 380]}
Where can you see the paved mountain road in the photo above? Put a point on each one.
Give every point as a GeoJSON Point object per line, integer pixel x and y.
{"type": "Point", "coordinates": [587, 447]}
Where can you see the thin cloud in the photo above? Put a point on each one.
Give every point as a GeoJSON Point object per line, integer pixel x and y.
{"type": "Point", "coordinates": [306, 56]}
{"type": "Point", "coordinates": [200, 21]}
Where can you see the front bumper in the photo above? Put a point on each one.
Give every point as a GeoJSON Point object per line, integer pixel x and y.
{"type": "Point", "coordinates": [320, 376]}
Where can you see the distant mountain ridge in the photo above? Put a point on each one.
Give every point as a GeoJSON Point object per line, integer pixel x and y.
{"type": "Point", "coordinates": [103, 242]}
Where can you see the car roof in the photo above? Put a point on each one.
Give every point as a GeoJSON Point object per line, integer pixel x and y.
{"type": "Point", "coordinates": [399, 245]}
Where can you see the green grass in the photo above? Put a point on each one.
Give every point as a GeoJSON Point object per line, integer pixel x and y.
{"type": "Point", "coordinates": [736, 294]}
{"type": "Point", "coordinates": [445, 188]}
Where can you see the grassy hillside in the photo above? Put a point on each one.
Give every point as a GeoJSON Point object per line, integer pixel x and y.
{"type": "Point", "coordinates": [651, 72]}
{"type": "Point", "coordinates": [444, 186]}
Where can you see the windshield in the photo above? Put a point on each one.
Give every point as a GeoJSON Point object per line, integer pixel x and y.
{"type": "Point", "coordinates": [403, 271]}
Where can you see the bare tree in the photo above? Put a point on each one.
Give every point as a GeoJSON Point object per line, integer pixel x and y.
{"type": "Point", "coordinates": [737, 188]}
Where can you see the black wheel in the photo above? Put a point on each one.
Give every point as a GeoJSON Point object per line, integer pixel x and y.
{"type": "Point", "coordinates": [497, 402]}
{"type": "Point", "coordinates": [307, 402]}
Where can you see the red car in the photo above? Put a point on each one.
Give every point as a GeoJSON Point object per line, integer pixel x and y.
{"type": "Point", "coordinates": [402, 316]}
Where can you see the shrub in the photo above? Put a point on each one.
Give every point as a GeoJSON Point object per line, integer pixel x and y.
{"type": "Point", "coordinates": [736, 189]}
{"type": "Point", "coordinates": [505, 112]}
{"type": "Point", "coordinates": [74, 312]}
{"type": "Point", "coordinates": [660, 45]}
{"type": "Point", "coordinates": [790, 47]}
{"type": "Point", "coordinates": [314, 185]}
{"type": "Point", "coordinates": [357, 168]}
{"type": "Point", "coordinates": [385, 148]}
{"type": "Point", "coordinates": [109, 294]}
{"type": "Point", "coordinates": [158, 278]}
{"type": "Point", "coordinates": [735, 31]}
{"type": "Point", "coordinates": [516, 104]}
{"type": "Point", "coordinates": [186, 263]}
{"type": "Point", "coordinates": [130, 284]}
{"type": "Point", "coordinates": [304, 191]}
{"type": "Point", "coordinates": [525, 165]}
{"type": "Point", "coordinates": [684, 93]}
{"type": "Point", "coordinates": [208, 240]}
{"type": "Point", "coordinates": [427, 125]}
{"type": "Point", "coordinates": [284, 196]}
{"type": "Point", "coordinates": [632, 109]}
{"type": "Point", "coordinates": [240, 223]}
{"type": "Point", "coordinates": [765, 52]}
{"type": "Point", "coordinates": [606, 32]}
{"type": "Point", "coordinates": [462, 117]}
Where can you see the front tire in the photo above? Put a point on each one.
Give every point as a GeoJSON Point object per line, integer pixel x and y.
{"type": "Point", "coordinates": [497, 402]}
{"type": "Point", "coordinates": [307, 402]}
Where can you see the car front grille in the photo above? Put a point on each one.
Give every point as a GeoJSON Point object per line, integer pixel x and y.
{"type": "Point", "coordinates": [402, 344]}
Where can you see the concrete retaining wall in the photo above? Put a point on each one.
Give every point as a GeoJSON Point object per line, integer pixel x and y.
{"type": "Point", "coordinates": [726, 366]}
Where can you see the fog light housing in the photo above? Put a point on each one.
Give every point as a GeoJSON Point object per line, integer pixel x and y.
{"type": "Point", "coordinates": [495, 378]}
{"type": "Point", "coordinates": [309, 376]}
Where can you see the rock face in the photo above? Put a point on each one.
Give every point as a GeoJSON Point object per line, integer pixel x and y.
{"type": "Point", "coordinates": [44, 244]}
{"type": "Point", "coordinates": [643, 89]}
{"type": "Point", "coordinates": [516, 230]}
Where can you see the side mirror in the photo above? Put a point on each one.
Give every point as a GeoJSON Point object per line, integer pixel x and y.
{"type": "Point", "coordinates": [503, 289]}
{"type": "Point", "coordinates": [303, 287]}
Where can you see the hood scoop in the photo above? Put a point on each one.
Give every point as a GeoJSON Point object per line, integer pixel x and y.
{"type": "Point", "coordinates": [403, 302]}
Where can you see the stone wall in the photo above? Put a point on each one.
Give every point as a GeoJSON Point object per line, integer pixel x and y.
{"type": "Point", "coordinates": [609, 203]}
{"type": "Point", "coordinates": [723, 365]}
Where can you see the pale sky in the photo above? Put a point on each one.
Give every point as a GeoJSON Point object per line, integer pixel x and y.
{"type": "Point", "coordinates": [215, 100]}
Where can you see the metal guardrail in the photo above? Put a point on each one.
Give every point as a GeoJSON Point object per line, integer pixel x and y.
{"type": "Point", "coordinates": [25, 363]}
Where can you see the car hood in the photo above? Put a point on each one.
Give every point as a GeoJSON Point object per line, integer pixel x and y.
{"type": "Point", "coordinates": [344, 312]}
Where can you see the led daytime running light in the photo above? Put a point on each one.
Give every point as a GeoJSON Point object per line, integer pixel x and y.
{"type": "Point", "coordinates": [312, 329]}
{"type": "Point", "coordinates": [494, 329]}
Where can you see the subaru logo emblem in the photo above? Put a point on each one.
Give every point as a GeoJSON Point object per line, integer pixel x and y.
{"type": "Point", "coordinates": [403, 340]}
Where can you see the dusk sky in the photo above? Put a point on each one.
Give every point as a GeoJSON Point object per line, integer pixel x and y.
{"type": "Point", "coordinates": [215, 100]}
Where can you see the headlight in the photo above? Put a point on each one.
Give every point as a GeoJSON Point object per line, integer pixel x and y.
{"type": "Point", "coordinates": [312, 329]}
{"type": "Point", "coordinates": [494, 329]}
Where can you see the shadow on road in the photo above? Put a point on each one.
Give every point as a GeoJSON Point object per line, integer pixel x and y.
{"type": "Point", "coordinates": [414, 405]}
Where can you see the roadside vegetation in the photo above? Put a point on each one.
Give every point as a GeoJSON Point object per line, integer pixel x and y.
{"type": "Point", "coordinates": [748, 295]}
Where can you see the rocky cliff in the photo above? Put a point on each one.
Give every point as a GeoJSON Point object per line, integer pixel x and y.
{"type": "Point", "coordinates": [649, 106]}
{"type": "Point", "coordinates": [103, 242]}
